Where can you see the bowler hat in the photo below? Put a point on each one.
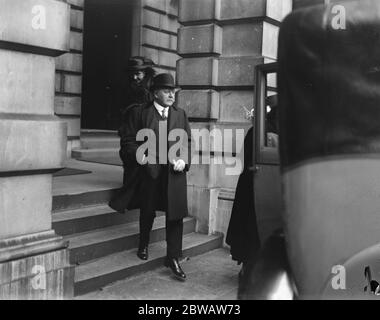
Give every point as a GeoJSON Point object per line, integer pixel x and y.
{"type": "Point", "coordinates": [138, 63]}
{"type": "Point", "coordinates": [163, 80]}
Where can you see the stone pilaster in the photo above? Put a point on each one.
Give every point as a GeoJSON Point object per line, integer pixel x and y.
{"type": "Point", "coordinates": [34, 261]}
{"type": "Point", "coordinates": [221, 42]}
{"type": "Point", "coordinates": [68, 80]}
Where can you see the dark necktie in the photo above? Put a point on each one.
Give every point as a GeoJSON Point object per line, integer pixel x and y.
{"type": "Point", "coordinates": [163, 115]}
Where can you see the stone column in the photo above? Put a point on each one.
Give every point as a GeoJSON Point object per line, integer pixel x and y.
{"type": "Point", "coordinates": [34, 261]}
{"type": "Point", "coordinates": [68, 78]}
{"type": "Point", "coordinates": [221, 42]}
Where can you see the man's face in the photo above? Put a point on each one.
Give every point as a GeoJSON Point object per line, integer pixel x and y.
{"type": "Point", "coordinates": [138, 76]}
{"type": "Point", "coordinates": [165, 96]}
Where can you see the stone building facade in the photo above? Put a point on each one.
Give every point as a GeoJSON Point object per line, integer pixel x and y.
{"type": "Point", "coordinates": [68, 77]}
{"type": "Point", "coordinates": [153, 33]}
{"type": "Point", "coordinates": [220, 43]}
{"type": "Point", "coordinates": [34, 261]}
{"type": "Point", "coordinates": [157, 32]}
{"type": "Point", "coordinates": [212, 46]}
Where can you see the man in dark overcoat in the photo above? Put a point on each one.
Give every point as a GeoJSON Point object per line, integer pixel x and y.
{"type": "Point", "coordinates": [159, 181]}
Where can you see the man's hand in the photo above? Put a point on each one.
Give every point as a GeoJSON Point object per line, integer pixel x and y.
{"type": "Point", "coordinates": [179, 165]}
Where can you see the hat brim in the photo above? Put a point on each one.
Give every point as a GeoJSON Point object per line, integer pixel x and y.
{"type": "Point", "coordinates": [136, 68]}
{"type": "Point", "coordinates": [164, 87]}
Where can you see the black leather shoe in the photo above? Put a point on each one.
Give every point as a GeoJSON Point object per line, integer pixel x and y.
{"type": "Point", "coordinates": [142, 253]}
{"type": "Point", "coordinates": [173, 264]}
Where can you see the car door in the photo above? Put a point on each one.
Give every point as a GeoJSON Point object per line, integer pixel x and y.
{"type": "Point", "coordinates": [267, 182]}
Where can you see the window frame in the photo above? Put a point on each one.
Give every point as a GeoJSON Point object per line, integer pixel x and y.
{"type": "Point", "coordinates": [263, 153]}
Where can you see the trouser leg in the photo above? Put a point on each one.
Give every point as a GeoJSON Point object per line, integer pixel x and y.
{"type": "Point", "coordinates": [174, 231]}
{"type": "Point", "coordinates": [146, 224]}
{"type": "Point", "coordinates": [147, 211]}
{"type": "Point", "coordinates": [174, 228]}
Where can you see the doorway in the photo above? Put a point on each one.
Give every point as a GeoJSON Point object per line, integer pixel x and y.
{"type": "Point", "coordinates": [107, 44]}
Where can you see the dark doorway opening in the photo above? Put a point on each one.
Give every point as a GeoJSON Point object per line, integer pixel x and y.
{"type": "Point", "coordinates": [107, 44]}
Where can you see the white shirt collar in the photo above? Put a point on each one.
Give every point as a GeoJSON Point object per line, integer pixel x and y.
{"type": "Point", "coordinates": [160, 108]}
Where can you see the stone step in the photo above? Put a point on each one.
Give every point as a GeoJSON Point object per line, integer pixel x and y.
{"type": "Point", "coordinates": [91, 218]}
{"type": "Point", "coordinates": [102, 242]}
{"type": "Point", "coordinates": [101, 272]}
{"type": "Point", "coordinates": [85, 133]}
{"type": "Point", "coordinates": [89, 154]}
{"type": "Point", "coordinates": [63, 202]}
{"type": "Point", "coordinates": [94, 142]}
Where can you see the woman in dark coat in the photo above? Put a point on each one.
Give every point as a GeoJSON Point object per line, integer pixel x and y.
{"type": "Point", "coordinates": [242, 234]}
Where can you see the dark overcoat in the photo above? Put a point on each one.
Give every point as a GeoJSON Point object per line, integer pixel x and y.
{"type": "Point", "coordinates": [131, 195]}
{"type": "Point", "coordinates": [242, 234]}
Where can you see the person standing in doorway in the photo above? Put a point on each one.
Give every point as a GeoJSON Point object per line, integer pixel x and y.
{"type": "Point", "coordinates": [140, 74]}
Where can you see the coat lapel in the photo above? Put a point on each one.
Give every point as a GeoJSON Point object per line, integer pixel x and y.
{"type": "Point", "coordinates": [148, 117]}
{"type": "Point", "coordinates": [173, 118]}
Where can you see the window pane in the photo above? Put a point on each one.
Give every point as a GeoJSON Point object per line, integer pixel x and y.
{"type": "Point", "coordinates": [271, 111]}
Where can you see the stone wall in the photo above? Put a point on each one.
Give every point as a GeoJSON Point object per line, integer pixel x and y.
{"type": "Point", "coordinates": [156, 28]}
{"type": "Point", "coordinates": [68, 78]}
{"type": "Point", "coordinates": [34, 261]}
{"type": "Point", "coordinates": [221, 42]}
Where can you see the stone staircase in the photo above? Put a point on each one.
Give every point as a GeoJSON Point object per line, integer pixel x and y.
{"type": "Point", "coordinates": [97, 144]}
{"type": "Point", "coordinates": [103, 243]}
